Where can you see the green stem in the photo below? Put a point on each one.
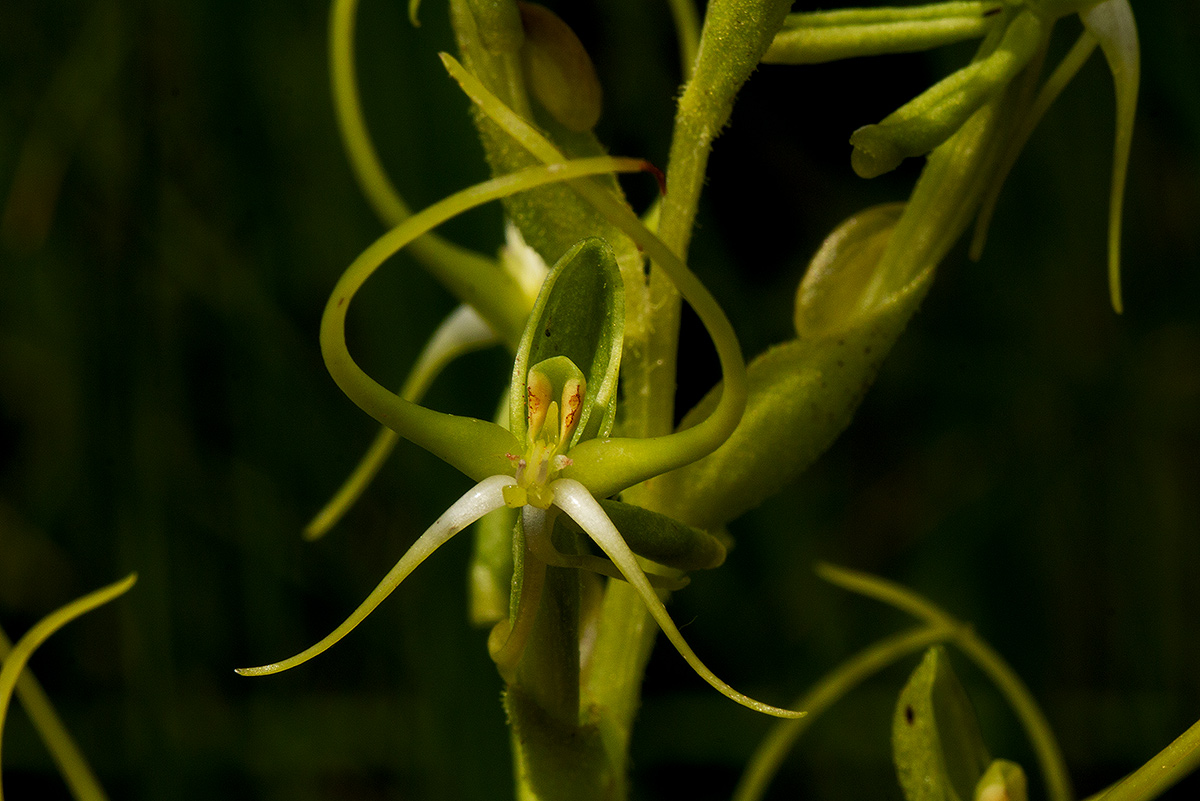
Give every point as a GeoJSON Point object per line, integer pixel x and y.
{"type": "Point", "coordinates": [1158, 775]}
{"type": "Point", "coordinates": [548, 671]}
{"type": "Point", "coordinates": [626, 632]}
{"type": "Point", "coordinates": [736, 33]}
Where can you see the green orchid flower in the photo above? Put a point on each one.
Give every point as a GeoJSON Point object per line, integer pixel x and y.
{"type": "Point", "coordinates": [556, 458]}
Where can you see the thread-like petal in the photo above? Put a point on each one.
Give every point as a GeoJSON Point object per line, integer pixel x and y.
{"type": "Point", "coordinates": [574, 499]}
{"type": "Point", "coordinates": [1112, 23]}
{"type": "Point", "coordinates": [478, 501]}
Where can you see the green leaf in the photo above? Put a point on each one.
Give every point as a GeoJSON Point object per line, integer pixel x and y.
{"type": "Point", "coordinates": [839, 288]}
{"type": "Point", "coordinates": [557, 762]}
{"type": "Point", "coordinates": [936, 743]}
{"type": "Point", "coordinates": [579, 315]}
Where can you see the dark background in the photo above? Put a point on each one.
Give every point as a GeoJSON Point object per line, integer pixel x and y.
{"type": "Point", "coordinates": [176, 208]}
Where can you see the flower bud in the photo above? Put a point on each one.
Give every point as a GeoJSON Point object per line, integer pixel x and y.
{"type": "Point", "coordinates": [558, 71]}
{"type": "Point", "coordinates": [803, 393]}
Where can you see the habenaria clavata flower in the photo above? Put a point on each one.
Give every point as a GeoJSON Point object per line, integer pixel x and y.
{"type": "Point", "coordinates": [556, 458]}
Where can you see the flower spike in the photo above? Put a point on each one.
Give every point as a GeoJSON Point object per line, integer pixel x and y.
{"type": "Point", "coordinates": [484, 497]}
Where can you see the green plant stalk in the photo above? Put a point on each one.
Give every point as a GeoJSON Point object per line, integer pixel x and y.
{"type": "Point", "coordinates": [625, 631]}
{"type": "Point", "coordinates": [549, 668]}
{"type": "Point", "coordinates": [1159, 774]}
{"type": "Point", "coordinates": [719, 423]}
{"type": "Point", "coordinates": [938, 212]}
{"type": "Point", "coordinates": [734, 36]}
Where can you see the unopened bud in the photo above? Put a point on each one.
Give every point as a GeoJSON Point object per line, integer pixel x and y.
{"type": "Point", "coordinates": [558, 71]}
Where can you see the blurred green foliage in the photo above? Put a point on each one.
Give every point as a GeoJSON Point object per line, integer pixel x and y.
{"type": "Point", "coordinates": [176, 206]}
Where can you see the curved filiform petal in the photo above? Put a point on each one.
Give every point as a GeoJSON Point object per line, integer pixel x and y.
{"type": "Point", "coordinates": [1112, 23]}
{"type": "Point", "coordinates": [574, 499]}
{"type": "Point", "coordinates": [479, 500]}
